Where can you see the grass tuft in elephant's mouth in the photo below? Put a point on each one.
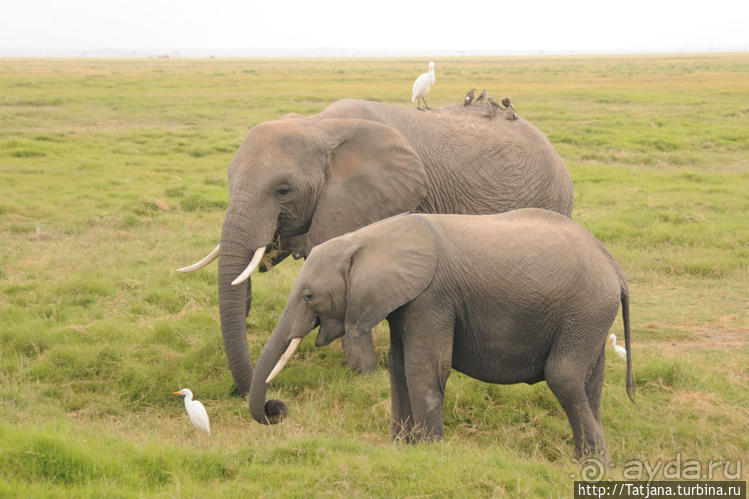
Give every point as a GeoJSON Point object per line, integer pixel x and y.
{"type": "Point", "coordinates": [273, 254]}
{"type": "Point", "coordinates": [278, 249]}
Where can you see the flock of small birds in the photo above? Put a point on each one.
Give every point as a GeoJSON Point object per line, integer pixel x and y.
{"type": "Point", "coordinates": [505, 106]}
{"type": "Point", "coordinates": [196, 410]}
{"type": "Point", "coordinates": [424, 82]}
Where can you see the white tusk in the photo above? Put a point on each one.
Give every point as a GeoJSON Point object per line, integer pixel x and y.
{"type": "Point", "coordinates": [284, 358]}
{"type": "Point", "coordinates": [202, 263]}
{"type": "Point", "coordinates": [256, 259]}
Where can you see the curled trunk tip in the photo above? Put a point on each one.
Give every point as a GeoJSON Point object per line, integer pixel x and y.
{"type": "Point", "coordinates": [266, 411]}
{"type": "Point", "coordinates": [275, 412]}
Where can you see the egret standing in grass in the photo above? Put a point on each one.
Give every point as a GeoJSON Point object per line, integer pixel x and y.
{"type": "Point", "coordinates": [196, 411]}
{"type": "Point", "coordinates": [620, 350]}
{"type": "Point", "coordinates": [421, 87]}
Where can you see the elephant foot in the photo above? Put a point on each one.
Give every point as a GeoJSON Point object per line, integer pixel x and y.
{"type": "Point", "coordinates": [598, 454]}
{"type": "Point", "coordinates": [413, 435]}
{"type": "Point", "coordinates": [359, 353]}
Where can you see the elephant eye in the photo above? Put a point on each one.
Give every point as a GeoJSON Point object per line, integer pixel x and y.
{"type": "Point", "coordinates": [283, 190]}
{"type": "Point", "coordinates": [307, 296]}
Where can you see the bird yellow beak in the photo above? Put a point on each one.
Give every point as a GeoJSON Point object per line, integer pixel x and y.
{"type": "Point", "coordinates": [175, 393]}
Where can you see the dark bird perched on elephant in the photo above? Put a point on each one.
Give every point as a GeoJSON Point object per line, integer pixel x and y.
{"type": "Point", "coordinates": [469, 97]}
{"type": "Point", "coordinates": [508, 105]}
{"type": "Point", "coordinates": [303, 180]}
{"type": "Point", "coordinates": [493, 106]}
{"type": "Point", "coordinates": [517, 297]}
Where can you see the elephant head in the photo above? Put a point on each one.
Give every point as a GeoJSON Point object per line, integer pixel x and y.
{"type": "Point", "coordinates": [347, 286]}
{"type": "Point", "coordinates": [304, 179]}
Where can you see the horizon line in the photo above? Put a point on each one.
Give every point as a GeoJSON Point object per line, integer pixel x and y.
{"type": "Point", "coordinates": [341, 52]}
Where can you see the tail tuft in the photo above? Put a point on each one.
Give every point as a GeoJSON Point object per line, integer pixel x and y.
{"type": "Point", "coordinates": [627, 343]}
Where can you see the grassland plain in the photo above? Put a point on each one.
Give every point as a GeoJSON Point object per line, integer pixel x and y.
{"type": "Point", "coordinates": [113, 174]}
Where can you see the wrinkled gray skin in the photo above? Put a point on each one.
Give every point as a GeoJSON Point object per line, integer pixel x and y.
{"type": "Point", "coordinates": [310, 179]}
{"type": "Point", "coordinates": [518, 297]}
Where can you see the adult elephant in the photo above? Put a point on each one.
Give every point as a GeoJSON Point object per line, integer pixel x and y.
{"type": "Point", "coordinates": [299, 181]}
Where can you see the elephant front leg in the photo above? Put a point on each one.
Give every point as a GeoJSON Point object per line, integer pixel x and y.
{"type": "Point", "coordinates": [359, 353]}
{"type": "Point", "coordinates": [401, 420]}
{"type": "Point", "coordinates": [428, 360]}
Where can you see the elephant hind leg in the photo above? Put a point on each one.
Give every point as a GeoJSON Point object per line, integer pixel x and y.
{"type": "Point", "coordinates": [594, 385]}
{"type": "Point", "coordinates": [566, 376]}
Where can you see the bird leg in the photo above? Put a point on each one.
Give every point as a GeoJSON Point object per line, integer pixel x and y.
{"type": "Point", "coordinates": [425, 103]}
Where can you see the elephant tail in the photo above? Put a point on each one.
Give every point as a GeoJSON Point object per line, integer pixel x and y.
{"type": "Point", "coordinates": [627, 342]}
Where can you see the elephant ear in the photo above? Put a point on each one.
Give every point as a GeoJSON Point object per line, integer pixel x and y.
{"type": "Point", "coordinates": [394, 263]}
{"type": "Point", "coordinates": [373, 173]}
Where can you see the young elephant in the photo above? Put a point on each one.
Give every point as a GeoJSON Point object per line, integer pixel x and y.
{"type": "Point", "coordinates": [522, 296]}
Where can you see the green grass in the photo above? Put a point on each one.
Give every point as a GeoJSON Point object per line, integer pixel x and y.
{"type": "Point", "coordinates": [114, 174]}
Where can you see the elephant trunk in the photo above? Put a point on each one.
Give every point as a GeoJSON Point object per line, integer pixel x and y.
{"type": "Point", "coordinates": [271, 411]}
{"type": "Point", "coordinates": [237, 245]}
{"type": "Point", "coordinates": [295, 322]}
{"type": "Point", "coordinates": [234, 304]}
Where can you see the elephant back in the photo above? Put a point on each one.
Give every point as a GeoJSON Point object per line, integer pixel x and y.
{"type": "Point", "coordinates": [474, 165]}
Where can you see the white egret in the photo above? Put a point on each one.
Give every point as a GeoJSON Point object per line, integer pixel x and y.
{"type": "Point", "coordinates": [421, 87]}
{"type": "Point", "coordinates": [620, 350]}
{"type": "Point", "coordinates": [196, 411]}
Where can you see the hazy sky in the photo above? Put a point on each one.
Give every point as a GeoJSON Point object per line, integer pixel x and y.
{"type": "Point", "coordinates": [381, 24]}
